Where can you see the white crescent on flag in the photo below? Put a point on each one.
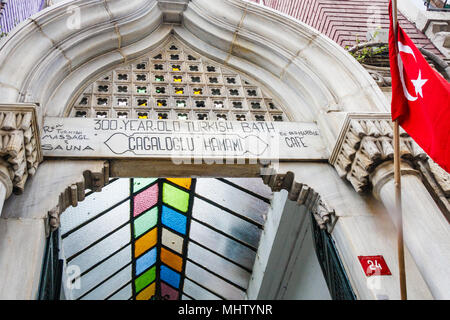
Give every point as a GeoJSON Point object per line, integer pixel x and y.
{"type": "Point", "coordinates": [418, 83]}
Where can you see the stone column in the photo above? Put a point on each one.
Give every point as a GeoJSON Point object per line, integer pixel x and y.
{"type": "Point", "coordinates": [363, 156]}
{"type": "Point", "coordinates": [426, 231]}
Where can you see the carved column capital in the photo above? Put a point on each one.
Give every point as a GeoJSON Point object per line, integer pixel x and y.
{"type": "Point", "coordinates": [20, 149]}
{"type": "Point", "coordinates": [365, 142]}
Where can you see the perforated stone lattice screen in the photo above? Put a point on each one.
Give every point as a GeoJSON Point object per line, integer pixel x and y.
{"type": "Point", "coordinates": [174, 82]}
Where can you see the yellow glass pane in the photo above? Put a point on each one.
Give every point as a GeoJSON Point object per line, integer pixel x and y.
{"type": "Point", "coordinates": [143, 117]}
{"type": "Point", "coordinates": [171, 259]}
{"type": "Point", "coordinates": [147, 293]}
{"type": "Point", "coordinates": [197, 92]}
{"type": "Point", "coordinates": [184, 182]}
{"type": "Point", "coordinates": [177, 80]}
{"type": "Point", "coordinates": [179, 91]}
{"type": "Point", "coordinates": [145, 242]}
{"type": "Point", "coordinates": [175, 69]}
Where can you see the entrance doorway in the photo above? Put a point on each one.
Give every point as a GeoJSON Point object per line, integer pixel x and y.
{"type": "Point", "coordinates": [173, 238]}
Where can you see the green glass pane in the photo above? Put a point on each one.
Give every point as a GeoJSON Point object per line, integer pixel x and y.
{"type": "Point", "coordinates": [175, 197]}
{"type": "Point", "coordinates": [145, 279]}
{"type": "Point", "coordinates": [145, 222]}
{"type": "Point", "coordinates": [140, 183]}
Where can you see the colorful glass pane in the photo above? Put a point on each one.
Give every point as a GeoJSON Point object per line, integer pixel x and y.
{"type": "Point", "coordinates": [172, 240]}
{"type": "Point", "coordinates": [184, 182]}
{"type": "Point", "coordinates": [171, 259]}
{"type": "Point", "coordinates": [147, 293]}
{"type": "Point", "coordinates": [141, 183]}
{"type": "Point", "coordinates": [145, 279]}
{"type": "Point", "coordinates": [175, 197]}
{"type": "Point", "coordinates": [145, 200]}
{"type": "Point", "coordinates": [168, 293]}
{"type": "Point", "coordinates": [173, 220]}
{"type": "Point", "coordinates": [169, 276]}
{"type": "Point", "coordinates": [154, 260]}
{"type": "Point", "coordinates": [145, 261]}
{"type": "Point", "coordinates": [145, 242]}
{"type": "Point", "coordinates": [145, 222]}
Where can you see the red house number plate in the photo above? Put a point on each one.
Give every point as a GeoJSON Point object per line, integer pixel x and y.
{"type": "Point", "coordinates": [374, 265]}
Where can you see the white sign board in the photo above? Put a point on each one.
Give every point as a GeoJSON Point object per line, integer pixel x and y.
{"type": "Point", "coordinates": [163, 139]}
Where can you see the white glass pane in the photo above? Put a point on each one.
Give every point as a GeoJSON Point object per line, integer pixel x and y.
{"type": "Point", "coordinates": [103, 271]}
{"type": "Point", "coordinates": [222, 245]}
{"type": "Point", "coordinates": [213, 283]}
{"type": "Point", "coordinates": [255, 185]}
{"type": "Point", "coordinates": [107, 288]}
{"type": "Point", "coordinates": [232, 198]}
{"type": "Point", "coordinates": [123, 294]}
{"type": "Point", "coordinates": [96, 229]}
{"type": "Point", "coordinates": [103, 249]}
{"type": "Point", "coordinates": [94, 204]}
{"type": "Point", "coordinates": [197, 292]}
{"type": "Point", "coordinates": [226, 222]}
{"type": "Point", "coordinates": [218, 265]}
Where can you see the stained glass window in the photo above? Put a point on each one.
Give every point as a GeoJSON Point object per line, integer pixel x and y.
{"type": "Point", "coordinates": [173, 82]}
{"type": "Point", "coordinates": [175, 238]}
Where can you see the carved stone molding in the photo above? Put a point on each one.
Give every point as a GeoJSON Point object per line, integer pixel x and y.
{"type": "Point", "coordinates": [75, 193]}
{"type": "Point", "coordinates": [366, 141]}
{"type": "Point", "coordinates": [20, 148]}
{"type": "Point", "coordinates": [325, 217]}
{"type": "Point", "coordinates": [303, 195]}
{"type": "Point", "coordinates": [172, 9]}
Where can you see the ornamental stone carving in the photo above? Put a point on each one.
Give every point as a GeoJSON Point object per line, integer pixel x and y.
{"type": "Point", "coordinates": [20, 148]}
{"type": "Point", "coordinates": [94, 180]}
{"type": "Point", "coordinates": [366, 141]}
{"type": "Point", "coordinates": [303, 195]}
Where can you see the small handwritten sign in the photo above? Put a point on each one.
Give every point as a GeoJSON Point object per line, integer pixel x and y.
{"type": "Point", "coordinates": [145, 138]}
{"type": "Point", "coordinates": [374, 266]}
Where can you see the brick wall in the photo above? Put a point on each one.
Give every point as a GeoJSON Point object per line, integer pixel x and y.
{"type": "Point", "coordinates": [346, 21]}
{"type": "Point", "coordinates": [15, 11]}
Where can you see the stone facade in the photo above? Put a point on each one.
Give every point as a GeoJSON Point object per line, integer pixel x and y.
{"type": "Point", "coordinates": [311, 76]}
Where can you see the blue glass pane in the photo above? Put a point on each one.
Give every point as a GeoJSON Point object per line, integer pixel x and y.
{"type": "Point", "coordinates": [145, 261]}
{"type": "Point", "coordinates": [173, 220]}
{"type": "Point", "coordinates": [170, 276]}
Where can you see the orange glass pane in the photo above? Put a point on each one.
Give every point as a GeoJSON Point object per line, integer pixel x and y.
{"type": "Point", "coordinates": [145, 242]}
{"type": "Point", "coordinates": [184, 182]}
{"type": "Point", "coordinates": [171, 259]}
{"type": "Point", "coordinates": [147, 293]}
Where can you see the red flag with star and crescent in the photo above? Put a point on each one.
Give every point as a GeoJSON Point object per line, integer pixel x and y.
{"type": "Point", "coordinates": [420, 97]}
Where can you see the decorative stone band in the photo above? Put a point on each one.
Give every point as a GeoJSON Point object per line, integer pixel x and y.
{"type": "Point", "coordinates": [75, 192]}
{"type": "Point", "coordinates": [366, 141]}
{"type": "Point", "coordinates": [303, 195]}
{"type": "Point", "coordinates": [20, 148]}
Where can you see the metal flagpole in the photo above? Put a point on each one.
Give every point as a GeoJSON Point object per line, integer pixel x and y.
{"type": "Point", "coordinates": [397, 181]}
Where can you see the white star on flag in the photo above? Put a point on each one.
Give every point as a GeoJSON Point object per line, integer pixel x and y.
{"type": "Point", "coordinates": [418, 84]}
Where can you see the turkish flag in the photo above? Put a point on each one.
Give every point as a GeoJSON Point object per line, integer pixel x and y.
{"type": "Point", "coordinates": [420, 97]}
